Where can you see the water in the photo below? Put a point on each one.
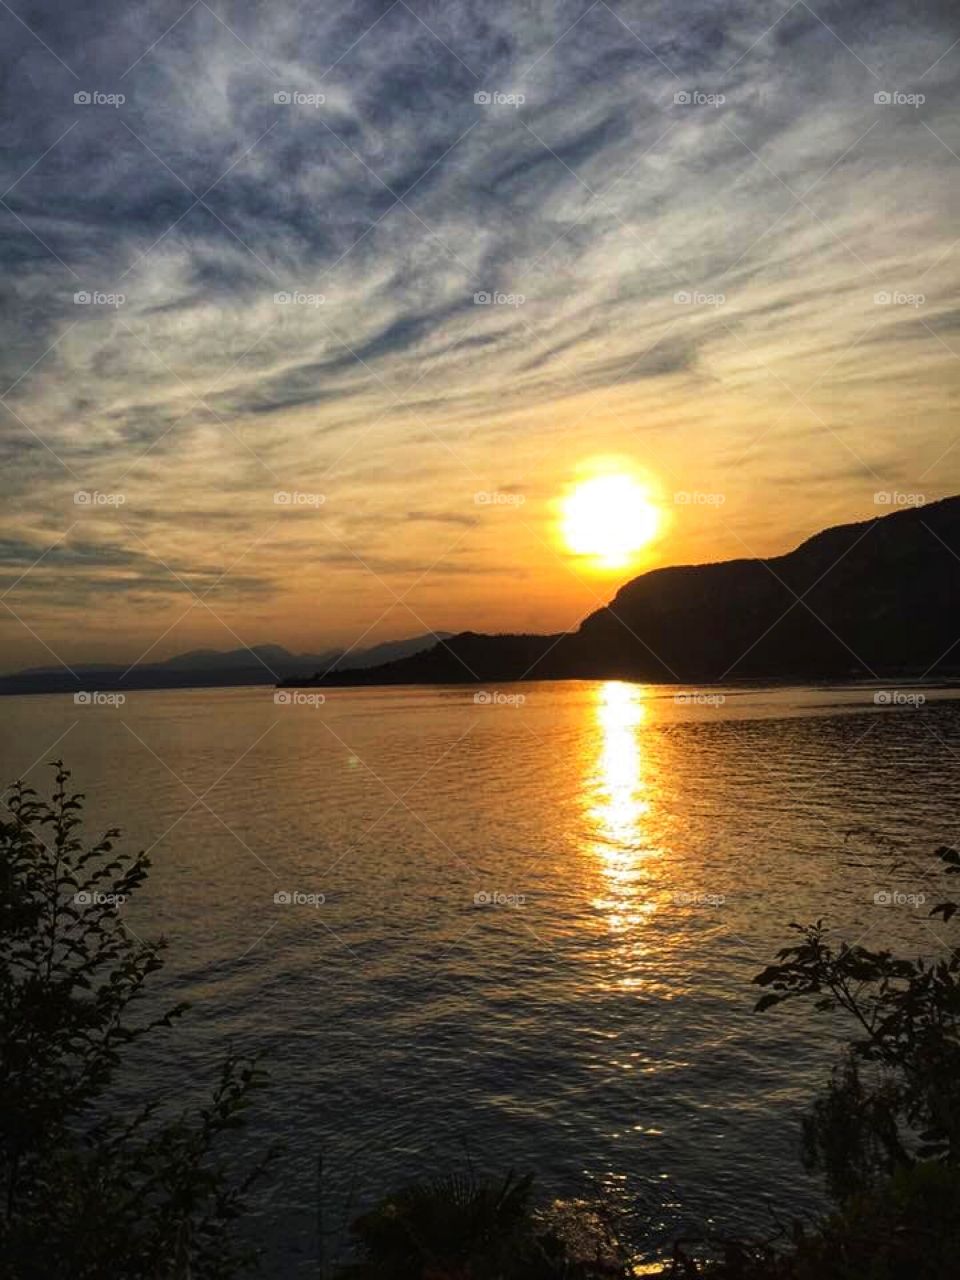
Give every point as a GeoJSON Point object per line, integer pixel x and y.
{"type": "Point", "coordinates": [589, 1017]}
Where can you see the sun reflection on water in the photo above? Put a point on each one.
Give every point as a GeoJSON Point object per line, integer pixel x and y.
{"type": "Point", "coordinates": [621, 793]}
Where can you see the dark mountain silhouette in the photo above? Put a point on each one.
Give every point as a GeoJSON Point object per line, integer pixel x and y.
{"type": "Point", "coordinates": [859, 600]}
{"type": "Point", "coordinates": [259, 664]}
{"type": "Point", "coordinates": [258, 655]}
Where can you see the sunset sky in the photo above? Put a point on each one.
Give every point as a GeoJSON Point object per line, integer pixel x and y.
{"type": "Point", "coordinates": [718, 263]}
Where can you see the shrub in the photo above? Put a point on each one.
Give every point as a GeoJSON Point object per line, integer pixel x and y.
{"type": "Point", "coordinates": [461, 1227]}
{"type": "Point", "coordinates": [83, 1193]}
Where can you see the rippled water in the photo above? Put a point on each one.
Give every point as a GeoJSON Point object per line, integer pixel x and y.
{"type": "Point", "coordinates": [638, 860]}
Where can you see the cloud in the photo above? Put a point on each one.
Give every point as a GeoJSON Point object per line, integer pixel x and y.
{"type": "Point", "coordinates": [466, 282]}
{"type": "Point", "coordinates": [443, 517]}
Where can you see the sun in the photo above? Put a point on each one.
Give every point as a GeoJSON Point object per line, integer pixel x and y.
{"type": "Point", "coordinates": [609, 518]}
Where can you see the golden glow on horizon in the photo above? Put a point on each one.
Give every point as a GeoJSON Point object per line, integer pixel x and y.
{"type": "Point", "coordinates": [609, 518]}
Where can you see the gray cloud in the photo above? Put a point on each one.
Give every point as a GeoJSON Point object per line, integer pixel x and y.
{"type": "Point", "coordinates": [385, 211]}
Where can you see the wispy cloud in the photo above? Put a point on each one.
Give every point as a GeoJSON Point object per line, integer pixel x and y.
{"type": "Point", "coordinates": [405, 252]}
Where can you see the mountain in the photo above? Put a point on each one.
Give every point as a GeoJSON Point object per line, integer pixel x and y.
{"type": "Point", "coordinates": [254, 657]}
{"type": "Point", "coordinates": [259, 664]}
{"type": "Point", "coordinates": [876, 598]}
{"type": "Point", "coordinates": [466, 657]}
{"type": "Point", "coordinates": [378, 654]}
{"type": "Point", "coordinates": [258, 655]}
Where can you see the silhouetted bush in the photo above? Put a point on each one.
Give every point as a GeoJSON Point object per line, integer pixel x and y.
{"type": "Point", "coordinates": [83, 1192]}
{"type": "Point", "coordinates": [895, 1099]}
{"type": "Point", "coordinates": [885, 1133]}
{"type": "Point", "coordinates": [466, 1228]}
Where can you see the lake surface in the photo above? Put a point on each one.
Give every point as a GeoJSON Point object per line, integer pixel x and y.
{"type": "Point", "coordinates": [538, 929]}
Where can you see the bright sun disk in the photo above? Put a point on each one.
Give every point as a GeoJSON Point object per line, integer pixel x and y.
{"type": "Point", "coordinates": [609, 518]}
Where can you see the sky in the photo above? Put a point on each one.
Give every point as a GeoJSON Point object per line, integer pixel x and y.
{"type": "Point", "coordinates": [311, 314]}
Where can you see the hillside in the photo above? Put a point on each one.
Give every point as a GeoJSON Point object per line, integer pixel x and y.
{"type": "Point", "coordinates": [869, 599]}
{"type": "Point", "coordinates": [257, 664]}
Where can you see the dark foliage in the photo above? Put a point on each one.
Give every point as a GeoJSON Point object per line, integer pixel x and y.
{"type": "Point", "coordinates": [84, 1194]}
{"type": "Point", "coordinates": [895, 1099]}
{"type": "Point", "coordinates": [466, 1228]}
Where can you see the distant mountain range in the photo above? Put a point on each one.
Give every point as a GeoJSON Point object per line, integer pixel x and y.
{"type": "Point", "coordinates": [260, 664]}
{"type": "Point", "coordinates": [878, 598]}
{"type": "Point", "coordinates": [872, 599]}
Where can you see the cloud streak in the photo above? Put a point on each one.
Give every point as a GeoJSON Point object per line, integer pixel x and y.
{"type": "Point", "coordinates": [673, 248]}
